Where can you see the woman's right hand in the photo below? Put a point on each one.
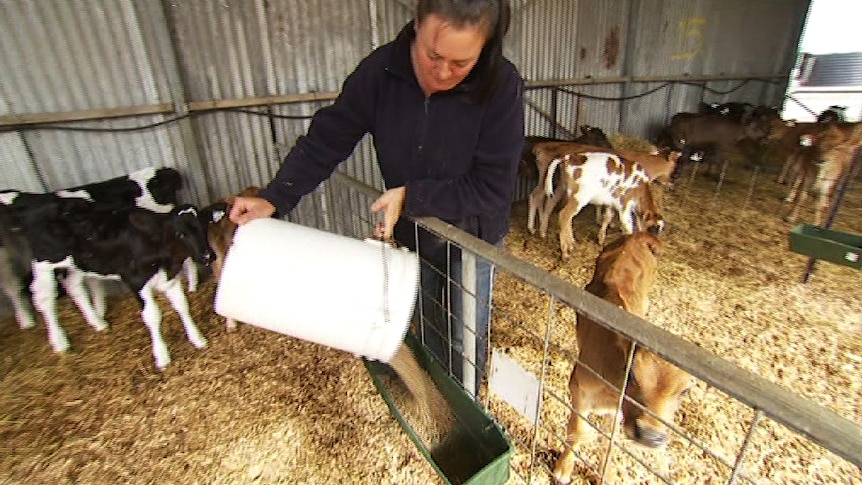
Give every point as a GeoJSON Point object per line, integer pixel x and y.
{"type": "Point", "coordinates": [245, 209]}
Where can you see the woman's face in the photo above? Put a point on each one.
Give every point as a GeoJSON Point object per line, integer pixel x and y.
{"type": "Point", "coordinates": [444, 55]}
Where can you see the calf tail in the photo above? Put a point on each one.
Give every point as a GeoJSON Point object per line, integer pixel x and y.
{"type": "Point", "coordinates": [549, 176]}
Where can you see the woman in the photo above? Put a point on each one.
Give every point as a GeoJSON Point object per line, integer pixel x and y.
{"type": "Point", "coordinates": [446, 113]}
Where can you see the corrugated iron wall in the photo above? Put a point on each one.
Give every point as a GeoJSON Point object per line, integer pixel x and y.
{"type": "Point", "coordinates": [80, 58]}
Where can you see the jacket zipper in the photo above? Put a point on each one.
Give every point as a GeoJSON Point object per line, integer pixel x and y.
{"type": "Point", "coordinates": [423, 132]}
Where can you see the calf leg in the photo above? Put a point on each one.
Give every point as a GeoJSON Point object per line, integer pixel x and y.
{"type": "Point", "coordinates": [627, 218]}
{"type": "Point", "coordinates": [191, 270]}
{"type": "Point", "coordinates": [567, 239]}
{"type": "Point", "coordinates": [21, 305]}
{"type": "Point", "coordinates": [152, 316]}
{"type": "Point", "coordinates": [97, 295]}
{"type": "Point", "coordinates": [786, 168]}
{"type": "Point", "coordinates": [548, 209]}
{"type": "Point", "coordinates": [796, 196]}
{"type": "Point", "coordinates": [537, 197]}
{"type": "Point", "coordinates": [825, 189]}
{"type": "Point", "coordinates": [174, 292]}
{"type": "Point", "coordinates": [44, 291]}
{"type": "Point", "coordinates": [12, 280]}
{"type": "Point", "coordinates": [589, 395]}
{"type": "Point", "coordinates": [75, 287]}
{"type": "Point", "coordinates": [607, 215]}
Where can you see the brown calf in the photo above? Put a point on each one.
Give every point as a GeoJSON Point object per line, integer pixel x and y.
{"type": "Point", "coordinates": [220, 236]}
{"type": "Point", "coordinates": [624, 274]}
{"type": "Point", "coordinates": [821, 166]}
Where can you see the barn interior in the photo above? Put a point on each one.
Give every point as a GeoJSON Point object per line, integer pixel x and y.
{"type": "Point", "coordinates": [220, 90]}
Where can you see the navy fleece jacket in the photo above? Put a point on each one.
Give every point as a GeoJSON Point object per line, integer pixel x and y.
{"type": "Point", "coordinates": [457, 159]}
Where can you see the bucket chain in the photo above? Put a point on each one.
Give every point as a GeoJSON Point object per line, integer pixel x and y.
{"type": "Point", "coordinates": [385, 255]}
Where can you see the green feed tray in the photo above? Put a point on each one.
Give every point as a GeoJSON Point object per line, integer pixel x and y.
{"type": "Point", "coordinates": [834, 246]}
{"type": "Point", "coordinates": [476, 451]}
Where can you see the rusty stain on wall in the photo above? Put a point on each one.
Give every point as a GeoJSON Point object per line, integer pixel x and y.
{"type": "Point", "coordinates": [611, 52]}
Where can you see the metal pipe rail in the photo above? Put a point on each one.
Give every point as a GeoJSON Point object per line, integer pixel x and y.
{"type": "Point", "coordinates": [216, 104]}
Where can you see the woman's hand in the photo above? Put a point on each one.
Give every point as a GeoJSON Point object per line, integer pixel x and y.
{"type": "Point", "coordinates": [391, 203]}
{"type": "Point", "coordinates": [245, 209]}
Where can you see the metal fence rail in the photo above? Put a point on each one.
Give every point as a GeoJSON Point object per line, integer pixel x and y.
{"type": "Point", "coordinates": [342, 206]}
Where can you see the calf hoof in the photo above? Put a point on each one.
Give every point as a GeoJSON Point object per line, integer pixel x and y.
{"type": "Point", "coordinates": [561, 476]}
{"type": "Point", "coordinates": [163, 362]}
{"type": "Point", "coordinates": [26, 322]}
{"type": "Point", "coordinates": [60, 348]}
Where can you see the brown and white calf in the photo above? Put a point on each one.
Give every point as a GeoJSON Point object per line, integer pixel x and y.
{"type": "Point", "coordinates": [600, 178]}
{"type": "Point", "coordinates": [220, 235]}
{"type": "Point", "coordinates": [658, 168]}
{"type": "Point", "coordinates": [624, 273]}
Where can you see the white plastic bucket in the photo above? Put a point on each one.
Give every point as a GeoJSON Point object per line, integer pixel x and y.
{"type": "Point", "coordinates": [320, 287]}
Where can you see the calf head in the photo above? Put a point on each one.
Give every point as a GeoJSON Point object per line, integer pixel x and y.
{"type": "Point", "coordinates": [764, 123]}
{"type": "Point", "coordinates": [184, 228]}
{"type": "Point", "coordinates": [653, 394]}
{"type": "Point", "coordinates": [833, 114]}
{"type": "Point", "coordinates": [649, 218]}
{"type": "Point", "coordinates": [219, 228]}
{"type": "Point", "coordinates": [593, 136]}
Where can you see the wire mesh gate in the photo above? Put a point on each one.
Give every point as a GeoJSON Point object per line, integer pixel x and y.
{"type": "Point", "coordinates": [771, 426]}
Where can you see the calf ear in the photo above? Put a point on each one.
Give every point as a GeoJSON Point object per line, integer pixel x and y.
{"type": "Point", "coordinates": [214, 213]}
{"type": "Point", "coordinates": [655, 246]}
{"type": "Point", "coordinates": [250, 191]}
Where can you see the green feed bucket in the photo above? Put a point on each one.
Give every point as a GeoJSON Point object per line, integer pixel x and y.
{"type": "Point", "coordinates": [828, 245]}
{"type": "Point", "coordinates": [475, 451]}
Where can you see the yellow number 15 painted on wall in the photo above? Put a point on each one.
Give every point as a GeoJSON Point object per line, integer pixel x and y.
{"type": "Point", "coordinates": [690, 38]}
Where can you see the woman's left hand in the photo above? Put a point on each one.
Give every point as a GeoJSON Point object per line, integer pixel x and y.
{"type": "Point", "coordinates": [391, 203]}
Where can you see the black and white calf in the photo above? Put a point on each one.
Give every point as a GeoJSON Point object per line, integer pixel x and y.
{"type": "Point", "coordinates": [45, 221]}
{"type": "Point", "coordinates": [146, 250]}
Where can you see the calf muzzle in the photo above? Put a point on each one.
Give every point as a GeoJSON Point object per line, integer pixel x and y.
{"type": "Point", "coordinates": [648, 436]}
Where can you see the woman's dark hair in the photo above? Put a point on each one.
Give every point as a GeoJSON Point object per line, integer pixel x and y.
{"type": "Point", "coordinates": [494, 16]}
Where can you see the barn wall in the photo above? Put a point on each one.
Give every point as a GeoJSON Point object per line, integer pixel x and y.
{"type": "Point", "coordinates": [82, 58]}
{"type": "Point", "coordinates": [638, 41]}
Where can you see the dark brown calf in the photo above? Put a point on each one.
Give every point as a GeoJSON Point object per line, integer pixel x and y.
{"type": "Point", "coordinates": [624, 274]}
{"type": "Point", "coordinates": [590, 135]}
{"type": "Point", "coordinates": [714, 135]}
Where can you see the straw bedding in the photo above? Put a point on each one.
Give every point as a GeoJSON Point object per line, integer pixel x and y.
{"type": "Point", "coordinates": [258, 407]}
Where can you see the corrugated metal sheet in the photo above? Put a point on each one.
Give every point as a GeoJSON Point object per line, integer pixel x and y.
{"type": "Point", "coordinates": [843, 69]}
{"type": "Point", "coordinates": [607, 38]}
{"type": "Point", "coordinates": [61, 56]}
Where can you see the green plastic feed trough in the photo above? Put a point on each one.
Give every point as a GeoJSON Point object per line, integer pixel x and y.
{"type": "Point", "coordinates": [833, 246]}
{"type": "Point", "coordinates": [476, 452]}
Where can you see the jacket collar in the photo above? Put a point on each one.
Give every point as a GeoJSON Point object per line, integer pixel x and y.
{"type": "Point", "coordinates": [401, 65]}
